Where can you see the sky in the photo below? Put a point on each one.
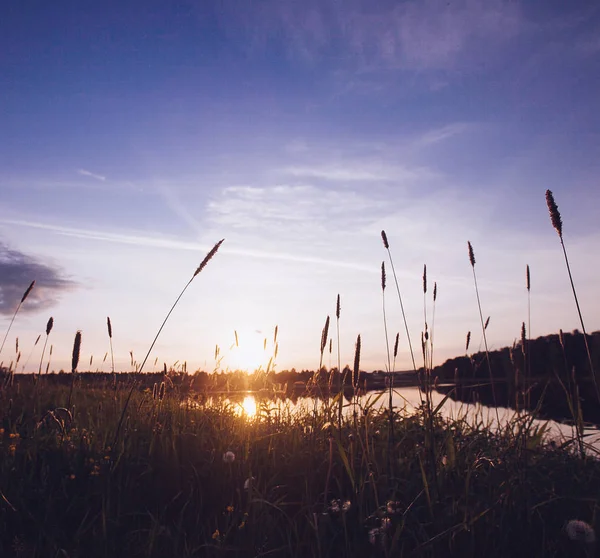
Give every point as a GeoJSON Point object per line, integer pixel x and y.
{"type": "Point", "coordinates": [135, 135]}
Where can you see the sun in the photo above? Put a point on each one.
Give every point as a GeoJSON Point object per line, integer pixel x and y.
{"type": "Point", "coordinates": [249, 353]}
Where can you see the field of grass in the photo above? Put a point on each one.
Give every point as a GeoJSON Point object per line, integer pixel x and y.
{"type": "Point", "coordinates": [105, 469]}
{"type": "Point", "coordinates": [187, 480]}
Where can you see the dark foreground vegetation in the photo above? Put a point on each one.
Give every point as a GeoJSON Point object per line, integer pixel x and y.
{"type": "Point", "coordinates": [112, 467]}
{"type": "Point", "coordinates": [182, 479]}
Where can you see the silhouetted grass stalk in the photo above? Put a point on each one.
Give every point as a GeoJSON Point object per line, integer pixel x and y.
{"type": "Point", "coordinates": [387, 247]}
{"type": "Point", "coordinates": [74, 363]}
{"type": "Point", "coordinates": [341, 381]}
{"type": "Point", "coordinates": [557, 224]}
{"type": "Point", "coordinates": [202, 265]}
{"type": "Point", "coordinates": [112, 356]}
{"type": "Point", "coordinates": [483, 328]}
{"type": "Point", "coordinates": [25, 295]}
{"type": "Point", "coordinates": [49, 326]}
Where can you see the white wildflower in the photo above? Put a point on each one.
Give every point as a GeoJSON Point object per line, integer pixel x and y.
{"type": "Point", "coordinates": [229, 457]}
{"type": "Point", "coordinates": [373, 533]}
{"type": "Point", "coordinates": [580, 531]}
{"type": "Point", "coordinates": [249, 481]}
{"type": "Point", "coordinates": [346, 506]}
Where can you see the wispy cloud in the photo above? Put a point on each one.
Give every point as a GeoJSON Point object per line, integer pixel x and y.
{"type": "Point", "coordinates": [177, 244]}
{"type": "Point", "coordinates": [414, 34]}
{"type": "Point", "coordinates": [441, 134]}
{"type": "Point", "coordinates": [17, 271]}
{"type": "Point", "coordinates": [370, 172]}
{"type": "Point", "coordinates": [84, 172]}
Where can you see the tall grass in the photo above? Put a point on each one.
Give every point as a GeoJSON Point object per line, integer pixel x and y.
{"type": "Point", "coordinates": [202, 265]}
{"type": "Point", "coordinates": [23, 298]}
{"type": "Point", "coordinates": [556, 220]}
{"type": "Point", "coordinates": [386, 245]}
{"type": "Point", "coordinates": [483, 328]}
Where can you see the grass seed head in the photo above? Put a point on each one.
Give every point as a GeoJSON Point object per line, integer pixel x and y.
{"type": "Point", "coordinates": [386, 244]}
{"type": "Point", "coordinates": [471, 254]}
{"type": "Point", "coordinates": [337, 307]}
{"type": "Point", "coordinates": [49, 325]}
{"type": "Point", "coordinates": [26, 293]}
{"type": "Point", "coordinates": [357, 358]}
{"type": "Point", "coordinates": [324, 335]}
{"type": "Point", "coordinates": [554, 213]}
{"type": "Point", "coordinates": [468, 341]}
{"type": "Point", "coordinates": [434, 292]}
{"type": "Point", "coordinates": [425, 279]}
{"type": "Point", "coordinates": [528, 278]}
{"type": "Point", "coordinates": [76, 351]}
{"type": "Point", "coordinates": [208, 257]}
{"type": "Point", "coordinates": [109, 326]}
{"type": "Point", "coordinates": [396, 345]}
{"type": "Point", "coordinates": [383, 276]}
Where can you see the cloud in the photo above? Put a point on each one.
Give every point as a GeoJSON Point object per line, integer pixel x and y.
{"type": "Point", "coordinates": [348, 172]}
{"type": "Point", "coordinates": [84, 172]}
{"type": "Point", "coordinates": [226, 218]}
{"type": "Point", "coordinates": [17, 271]}
{"type": "Point", "coordinates": [413, 34]}
{"type": "Point", "coordinates": [441, 134]}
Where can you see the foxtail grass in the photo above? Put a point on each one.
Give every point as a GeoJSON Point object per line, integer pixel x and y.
{"type": "Point", "coordinates": [49, 326]}
{"type": "Point", "coordinates": [341, 381]}
{"type": "Point", "coordinates": [23, 298]}
{"type": "Point", "coordinates": [483, 328]}
{"type": "Point", "coordinates": [31, 352]}
{"type": "Point", "coordinates": [202, 265]}
{"type": "Point", "coordinates": [556, 220]}
{"type": "Point", "coordinates": [386, 245]}
{"type": "Point", "coordinates": [74, 364]}
{"type": "Point", "coordinates": [112, 356]}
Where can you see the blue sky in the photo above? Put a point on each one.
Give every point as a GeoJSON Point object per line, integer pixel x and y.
{"type": "Point", "coordinates": [134, 135]}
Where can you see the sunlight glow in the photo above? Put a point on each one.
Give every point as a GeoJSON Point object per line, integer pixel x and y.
{"type": "Point", "coordinates": [249, 406]}
{"type": "Point", "coordinates": [249, 354]}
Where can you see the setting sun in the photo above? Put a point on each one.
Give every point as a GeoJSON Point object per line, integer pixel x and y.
{"type": "Point", "coordinates": [248, 352]}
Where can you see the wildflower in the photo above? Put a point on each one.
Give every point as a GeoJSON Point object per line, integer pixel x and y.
{"type": "Point", "coordinates": [229, 509]}
{"type": "Point", "coordinates": [445, 460]}
{"type": "Point", "coordinates": [335, 506]}
{"type": "Point", "coordinates": [72, 476]}
{"type": "Point", "coordinates": [346, 506]}
{"type": "Point", "coordinates": [12, 449]}
{"type": "Point", "coordinates": [248, 483]}
{"type": "Point", "coordinates": [392, 508]}
{"type": "Point", "coordinates": [229, 457]}
{"type": "Point", "coordinates": [216, 535]}
{"type": "Point", "coordinates": [385, 524]}
{"type": "Point", "coordinates": [373, 535]}
{"type": "Point", "coordinates": [580, 531]}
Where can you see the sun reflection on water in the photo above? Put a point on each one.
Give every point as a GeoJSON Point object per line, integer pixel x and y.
{"type": "Point", "coordinates": [249, 406]}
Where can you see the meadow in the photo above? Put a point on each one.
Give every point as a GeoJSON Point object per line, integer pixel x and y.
{"type": "Point", "coordinates": [121, 468]}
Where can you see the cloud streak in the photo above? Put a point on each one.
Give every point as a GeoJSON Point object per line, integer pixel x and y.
{"type": "Point", "coordinates": [84, 172]}
{"type": "Point", "coordinates": [17, 270]}
{"type": "Point", "coordinates": [177, 244]}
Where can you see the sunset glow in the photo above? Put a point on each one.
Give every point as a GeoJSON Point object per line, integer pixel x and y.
{"type": "Point", "coordinates": [297, 133]}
